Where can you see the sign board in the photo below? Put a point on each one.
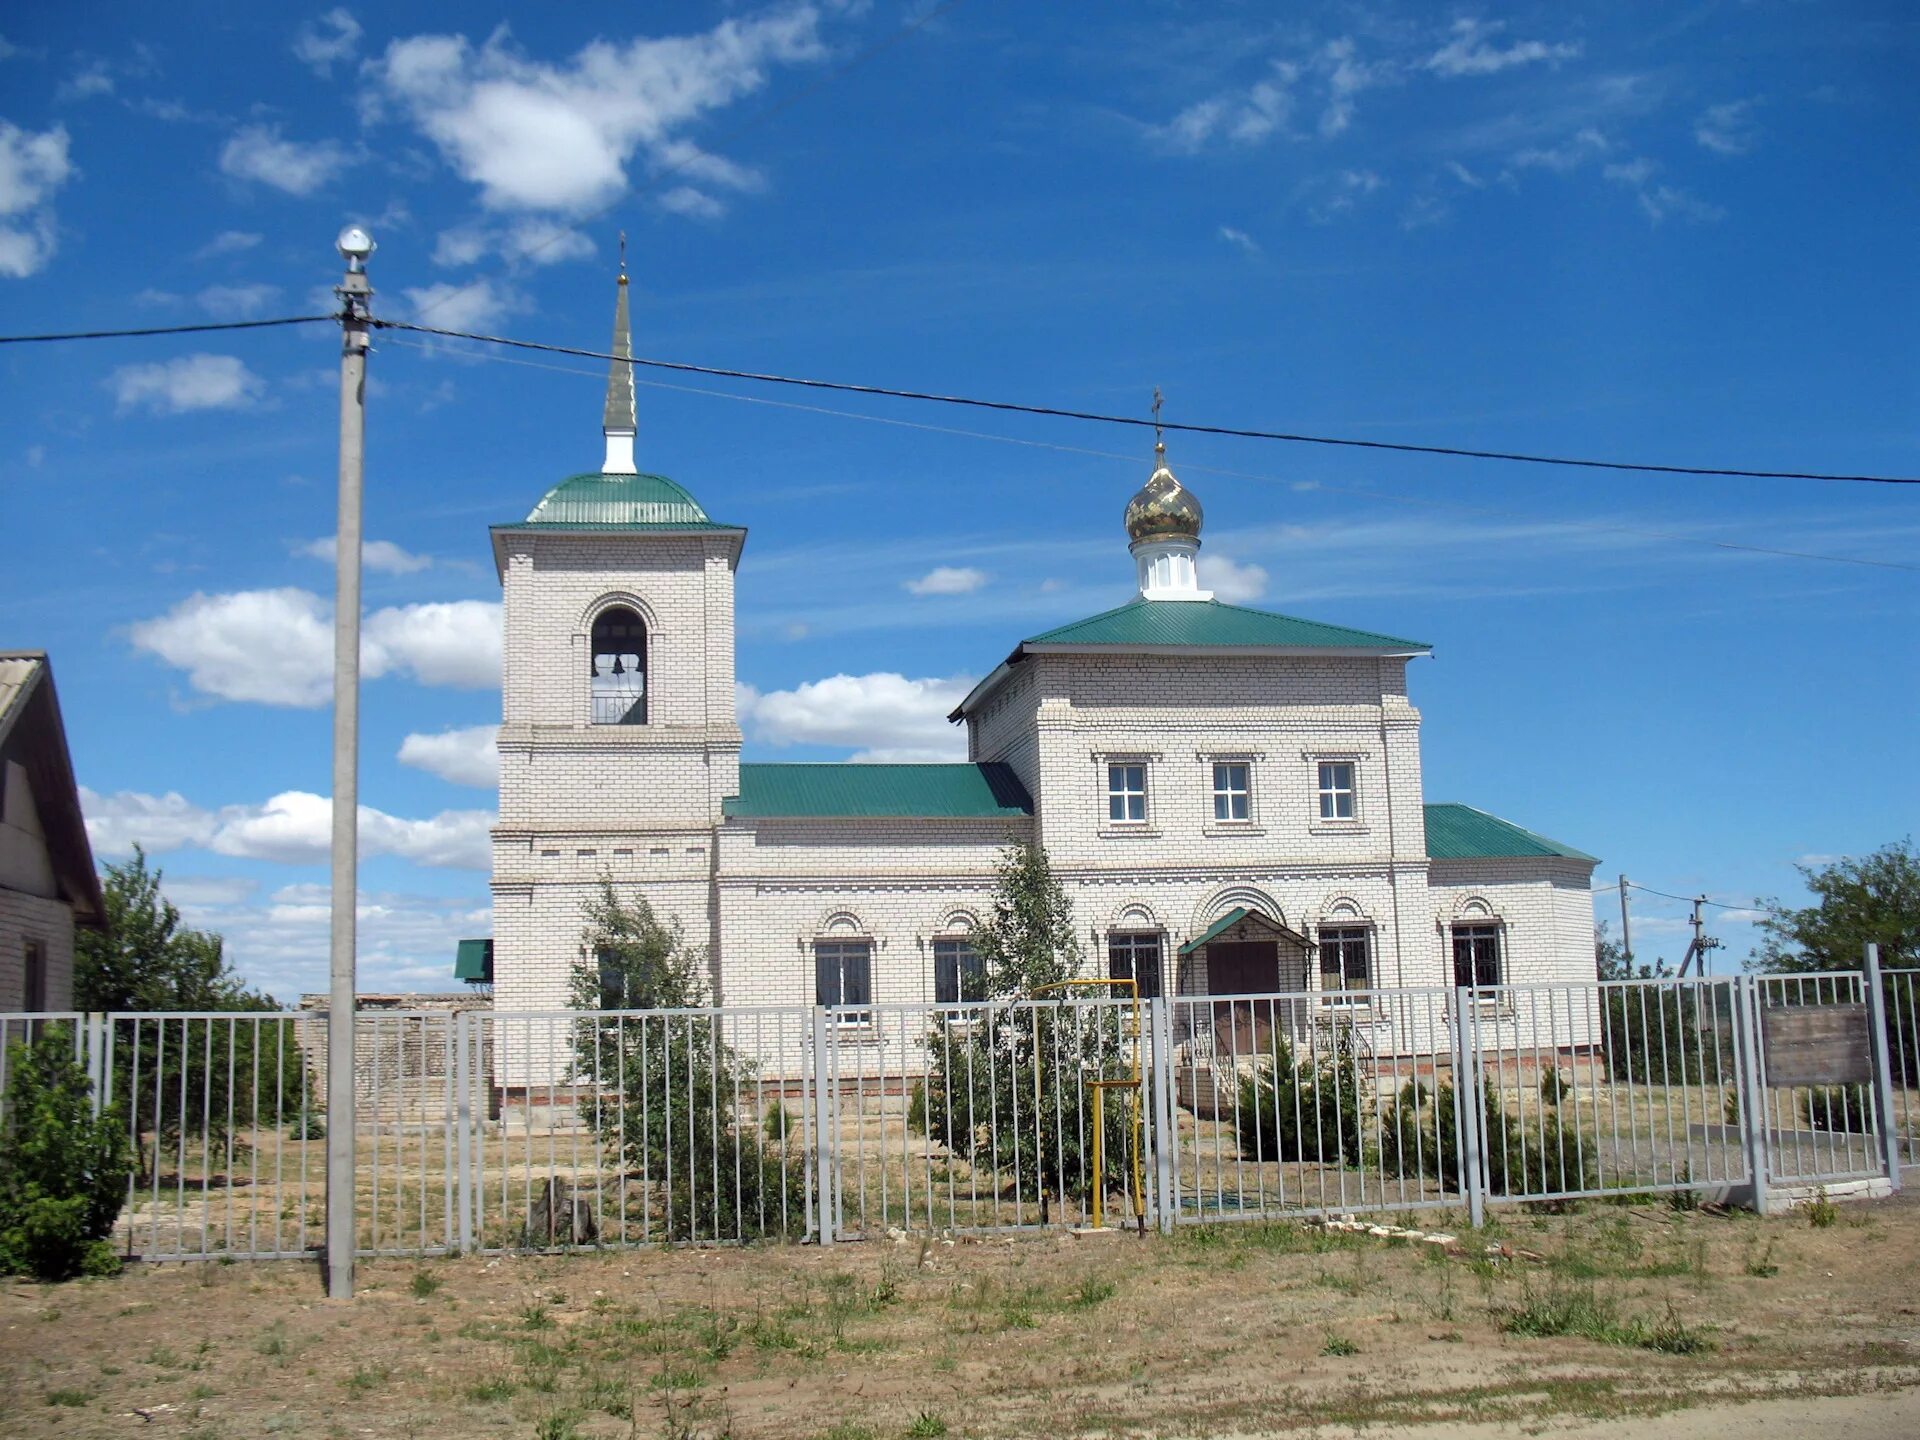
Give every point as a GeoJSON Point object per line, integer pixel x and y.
{"type": "Point", "coordinates": [1816, 1045]}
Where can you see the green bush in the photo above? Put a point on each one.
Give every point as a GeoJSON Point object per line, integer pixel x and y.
{"type": "Point", "coordinates": [1527, 1155]}
{"type": "Point", "coordinates": [1838, 1108]}
{"type": "Point", "coordinates": [63, 1172]}
{"type": "Point", "coordinates": [1290, 1109]}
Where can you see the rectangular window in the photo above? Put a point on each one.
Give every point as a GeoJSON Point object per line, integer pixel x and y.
{"type": "Point", "coordinates": [1232, 791]}
{"type": "Point", "coordinates": [36, 977]}
{"type": "Point", "coordinates": [1344, 960]}
{"type": "Point", "coordinates": [1476, 955]}
{"type": "Point", "coordinates": [1336, 790]}
{"type": "Point", "coordinates": [1136, 957]}
{"type": "Point", "coordinates": [1127, 794]}
{"type": "Point", "coordinates": [843, 977]}
{"type": "Point", "coordinates": [958, 972]}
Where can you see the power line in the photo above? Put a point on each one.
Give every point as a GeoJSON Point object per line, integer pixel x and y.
{"type": "Point", "coordinates": [725, 137]}
{"type": "Point", "coordinates": [166, 330]}
{"type": "Point", "coordinates": [1059, 413]}
{"type": "Point", "coordinates": [1189, 467]}
{"type": "Point", "coordinates": [1684, 899]}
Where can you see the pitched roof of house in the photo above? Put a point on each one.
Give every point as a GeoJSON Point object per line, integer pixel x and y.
{"type": "Point", "coordinates": [1169, 626]}
{"type": "Point", "coordinates": [842, 791]}
{"type": "Point", "coordinates": [33, 736]}
{"type": "Point", "coordinates": [1460, 832]}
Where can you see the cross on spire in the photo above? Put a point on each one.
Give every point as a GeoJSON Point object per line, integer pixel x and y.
{"type": "Point", "coordinates": [1159, 433]}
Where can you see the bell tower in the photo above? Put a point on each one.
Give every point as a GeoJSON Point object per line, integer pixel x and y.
{"type": "Point", "coordinates": [619, 738]}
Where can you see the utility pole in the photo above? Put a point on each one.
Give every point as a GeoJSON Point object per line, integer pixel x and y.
{"type": "Point", "coordinates": [354, 292]}
{"type": "Point", "coordinates": [1698, 947]}
{"type": "Point", "coordinates": [1626, 934]}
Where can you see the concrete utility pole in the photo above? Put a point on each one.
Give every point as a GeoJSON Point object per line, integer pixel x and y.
{"type": "Point", "coordinates": [354, 293]}
{"type": "Point", "coordinates": [1698, 947]}
{"type": "Point", "coordinates": [1626, 935]}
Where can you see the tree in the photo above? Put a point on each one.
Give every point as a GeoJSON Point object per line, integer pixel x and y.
{"type": "Point", "coordinates": [195, 1074]}
{"type": "Point", "coordinates": [1859, 900]}
{"type": "Point", "coordinates": [661, 1088]}
{"type": "Point", "coordinates": [145, 959]}
{"type": "Point", "coordinates": [63, 1171]}
{"type": "Point", "coordinates": [1006, 1089]}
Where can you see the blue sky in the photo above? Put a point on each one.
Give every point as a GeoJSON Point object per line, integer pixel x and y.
{"type": "Point", "coordinates": [1674, 233]}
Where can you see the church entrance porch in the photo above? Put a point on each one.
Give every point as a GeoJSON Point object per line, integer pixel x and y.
{"type": "Point", "coordinates": [1245, 958]}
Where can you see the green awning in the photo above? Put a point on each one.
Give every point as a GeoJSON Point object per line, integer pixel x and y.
{"type": "Point", "coordinates": [473, 962]}
{"type": "Point", "coordinates": [1226, 922]}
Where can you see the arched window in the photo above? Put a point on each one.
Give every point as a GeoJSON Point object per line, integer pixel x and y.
{"type": "Point", "coordinates": [618, 675]}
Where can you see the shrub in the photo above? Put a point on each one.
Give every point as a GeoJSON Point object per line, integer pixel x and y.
{"type": "Point", "coordinates": [1290, 1109]}
{"type": "Point", "coordinates": [63, 1172]}
{"type": "Point", "coordinates": [1839, 1108]}
{"type": "Point", "coordinates": [1419, 1137]}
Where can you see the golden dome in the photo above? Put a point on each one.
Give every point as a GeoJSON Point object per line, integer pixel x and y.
{"type": "Point", "coordinates": [1163, 509]}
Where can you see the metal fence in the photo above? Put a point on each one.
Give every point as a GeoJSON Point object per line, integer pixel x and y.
{"type": "Point", "coordinates": [493, 1131]}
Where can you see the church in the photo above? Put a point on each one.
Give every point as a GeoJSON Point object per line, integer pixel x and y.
{"type": "Point", "coordinates": [1231, 798]}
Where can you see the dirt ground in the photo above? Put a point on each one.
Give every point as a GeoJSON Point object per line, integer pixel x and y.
{"type": "Point", "coordinates": [1645, 1318]}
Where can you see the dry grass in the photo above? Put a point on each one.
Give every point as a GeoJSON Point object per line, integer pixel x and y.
{"type": "Point", "coordinates": [1251, 1328]}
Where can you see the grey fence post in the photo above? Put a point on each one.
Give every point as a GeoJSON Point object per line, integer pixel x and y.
{"type": "Point", "coordinates": [92, 1028]}
{"type": "Point", "coordinates": [463, 1119]}
{"type": "Point", "coordinates": [1163, 1133]}
{"type": "Point", "coordinates": [823, 1196]}
{"type": "Point", "coordinates": [1468, 1112]}
{"type": "Point", "coordinates": [1753, 1090]}
{"type": "Point", "coordinates": [1890, 1138]}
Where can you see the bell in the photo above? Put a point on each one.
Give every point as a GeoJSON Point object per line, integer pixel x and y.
{"type": "Point", "coordinates": [616, 666]}
{"type": "Point", "coordinates": [593, 665]}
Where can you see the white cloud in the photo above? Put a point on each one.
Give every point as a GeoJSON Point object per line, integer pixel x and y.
{"type": "Point", "coordinates": [455, 643]}
{"type": "Point", "coordinates": [692, 203]}
{"type": "Point", "coordinates": [529, 241]}
{"type": "Point", "coordinates": [1231, 581]}
{"type": "Point", "coordinates": [885, 715]}
{"type": "Point", "coordinates": [186, 383]}
{"type": "Point", "coordinates": [948, 580]}
{"type": "Point", "coordinates": [257, 152]}
{"type": "Point", "coordinates": [294, 827]}
{"type": "Point", "coordinates": [478, 305]}
{"type": "Point", "coordinates": [463, 757]}
{"type": "Point", "coordinates": [1584, 145]}
{"type": "Point", "coordinates": [1468, 52]}
{"type": "Point", "coordinates": [1245, 117]}
{"type": "Point", "coordinates": [1239, 239]}
{"type": "Point", "coordinates": [381, 556]}
{"type": "Point", "coordinates": [1660, 202]}
{"type": "Point", "coordinates": [237, 302]}
{"type": "Point", "coordinates": [275, 647]}
{"type": "Point", "coordinates": [91, 79]}
{"type": "Point", "coordinates": [33, 166]}
{"type": "Point", "coordinates": [228, 242]}
{"type": "Point", "coordinates": [1343, 192]}
{"type": "Point", "coordinates": [540, 136]}
{"type": "Point", "coordinates": [320, 42]}
{"type": "Point", "coordinates": [1727, 129]}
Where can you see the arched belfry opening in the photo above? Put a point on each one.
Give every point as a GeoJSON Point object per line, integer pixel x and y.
{"type": "Point", "coordinates": [618, 676]}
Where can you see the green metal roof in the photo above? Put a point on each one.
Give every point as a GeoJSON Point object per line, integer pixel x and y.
{"type": "Point", "coordinates": [1226, 922]}
{"type": "Point", "coordinates": [1211, 623]}
{"type": "Point", "coordinates": [619, 502]}
{"type": "Point", "coordinates": [1460, 832]}
{"type": "Point", "coordinates": [474, 961]}
{"type": "Point", "coordinates": [844, 791]}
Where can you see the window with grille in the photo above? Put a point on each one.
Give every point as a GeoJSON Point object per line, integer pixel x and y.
{"type": "Point", "coordinates": [617, 672]}
{"type": "Point", "coordinates": [1136, 956]}
{"type": "Point", "coordinates": [1336, 790]}
{"type": "Point", "coordinates": [843, 978]}
{"type": "Point", "coordinates": [1346, 961]}
{"type": "Point", "coordinates": [1232, 791]}
{"type": "Point", "coordinates": [1127, 794]}
{"type": "Point", "coordinates": [958, 972]}
{"type": "Point", "coordinates": [1476, 955]}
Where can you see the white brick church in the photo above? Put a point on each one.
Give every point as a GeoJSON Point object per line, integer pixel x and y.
{"type": "Point", "coordinates": [1232, 798]}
